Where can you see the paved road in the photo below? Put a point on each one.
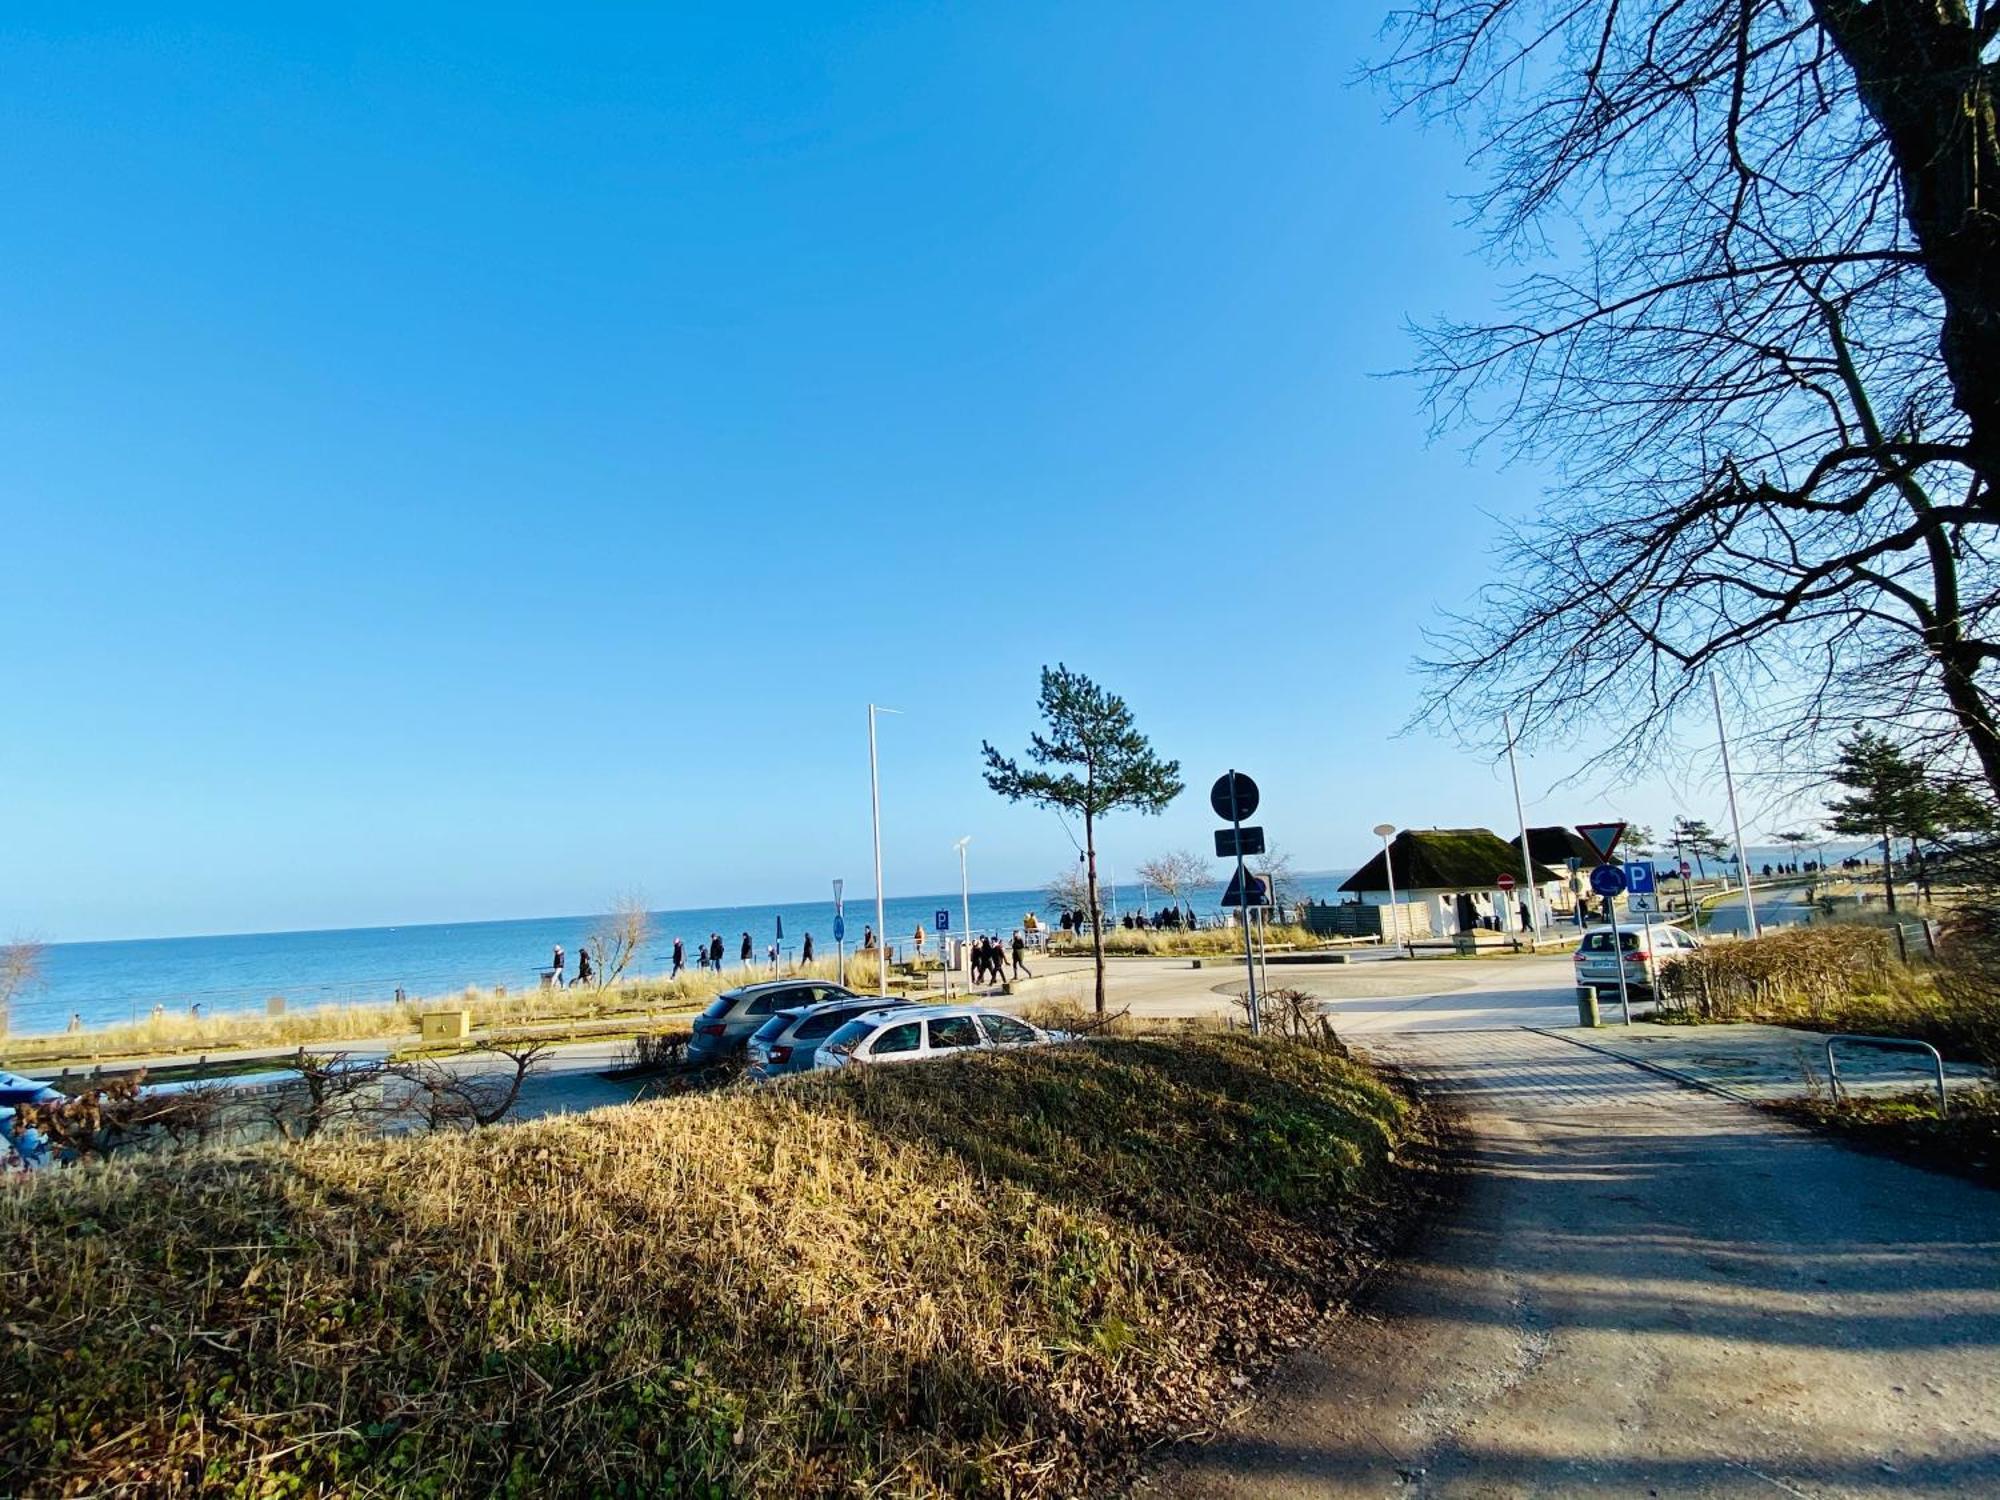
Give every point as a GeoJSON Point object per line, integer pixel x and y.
{"type": "Point", "coordinates": [1644, 1290]}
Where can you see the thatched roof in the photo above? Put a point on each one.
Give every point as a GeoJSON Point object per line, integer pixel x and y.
{"type": "Point", "coordinates": [1555, 847]}
{"type": "Point", "coordinates": [1445, 859]}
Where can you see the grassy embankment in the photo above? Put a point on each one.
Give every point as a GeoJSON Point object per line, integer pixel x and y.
{"type": "Point", "coordinates": [998, 1275]}
{"type": "Point", "coordinates": [634, 1001]}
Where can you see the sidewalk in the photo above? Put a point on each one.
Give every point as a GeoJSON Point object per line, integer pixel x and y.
{"type": "Point", "coordinates": [1759, 1063]}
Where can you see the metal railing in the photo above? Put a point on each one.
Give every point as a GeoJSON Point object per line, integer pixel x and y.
{"type": "Point", "coordinates": [1885, 1042]}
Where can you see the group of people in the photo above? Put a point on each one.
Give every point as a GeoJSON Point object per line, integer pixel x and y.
{"type": "Point", "coordinates": [989, 960]}
{"type": "Point", "coordinates": [1166, 919]}
{"type": "Point", "coordinates": [586, 970]}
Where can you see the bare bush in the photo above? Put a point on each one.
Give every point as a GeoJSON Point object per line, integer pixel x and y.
{"type": "Point", "coordinates": [443, 1097]}
{"type": "Point", "coordinates": [20, 970]}
{"type": "Point", "coordinates": [617, 938]}
{"type": "Point", "coordinates": [120, 1114]}
{"type": "Point", "coordinates": [1801, 968]}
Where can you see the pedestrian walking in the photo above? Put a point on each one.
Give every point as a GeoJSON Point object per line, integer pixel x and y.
{"type": "Point", "coordinates": [583, 969]}
{"type": "Point", "coordinates": [715, 951]}
{"type": "Point", "coordinates": [680, 959]}
{"type": "Point", "coordinates": [806, 951]}
{"type": "Point", "coordinates": [771, 954]}
{"type": "Point", "coordinates": [1020, 957]}
{"type": "Point", "coordinates": [747, 950]}
{"type": "Point", "coordinates": [558, 962]}
{"type": "Point", "coordinates": [867, 938]}
{"type": "Point", "coordinates": [918, 940]}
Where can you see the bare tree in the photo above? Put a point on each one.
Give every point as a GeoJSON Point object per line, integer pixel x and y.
{"type": "Point", "coordinates": [20, 971]}
{"type": "Point", "coordinates": [1179, 873]}
{"type": "Point", "coordinates": [1282, 881]}
{"type": "Point", "coordinates": [617, 938]}
{"type": "Point", "coordinates": [1068, 891]}
{"type": "Point", "coordinates": [1767, 376]}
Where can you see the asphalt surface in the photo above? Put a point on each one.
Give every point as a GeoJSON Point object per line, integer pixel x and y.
{"type": "Point", "coordinates": [1639, 1289]}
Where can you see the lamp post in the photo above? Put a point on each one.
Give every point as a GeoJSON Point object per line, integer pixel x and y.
{"type": "Point", "coordinates": [875, 802]}
{"type": "Point", "coordinates": [1384, 832]}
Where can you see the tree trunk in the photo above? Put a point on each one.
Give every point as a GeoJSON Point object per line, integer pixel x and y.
{"type": "Point", "coordinates": [1918, 70]}
{"type": "Point", "coordinates": [1888, 870]}
{"type": "Point", "coordinates": [1096, 925]}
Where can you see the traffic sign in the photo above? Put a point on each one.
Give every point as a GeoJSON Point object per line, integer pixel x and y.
{"type": "Point", "coordinates": [1639, 877]}
{"type": "Point", "coordinates": [1603, 837]}
{"type": "Point", "coordinates": [1260, 890]}
{"type": "Point", "coordinates": [1230, 842]}
{"type": "Point", "coordinates": [839, 927]}
{"type": "Point", "coordinates": [1234, 796]}
{"type": "Point", "coordinates": [1607, 880]}
{"type": "Point", "coordinates": [1505, 881]}
{"type": "Point", "coordinates": [943, 915]}
{"type": "Point", "coordinates": [1643, 903]}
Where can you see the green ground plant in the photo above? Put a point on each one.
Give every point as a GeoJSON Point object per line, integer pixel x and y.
{"type": "Point", "coordinates": [1002, 1275]}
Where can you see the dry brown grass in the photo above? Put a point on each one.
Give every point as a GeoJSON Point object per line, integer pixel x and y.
{"type": "Point", "coordinates": [1839, 976]}
{"type": "Point", "coordinates": [1167, 943]}
{"type": "Point", "coordinates": [992, 1276]}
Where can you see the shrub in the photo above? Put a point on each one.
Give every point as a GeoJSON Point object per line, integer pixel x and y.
{"type": "Point", "coordinates": [991, 1275]}
{"type": "Point", "coordinates": [1796, 969]}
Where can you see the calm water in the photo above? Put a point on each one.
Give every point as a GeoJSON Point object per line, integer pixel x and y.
{"type": "Point", "coordinates": [123, 981]}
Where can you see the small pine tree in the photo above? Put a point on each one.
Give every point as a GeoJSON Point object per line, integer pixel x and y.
{"type": "Point", "coordinates": [1103, 764]}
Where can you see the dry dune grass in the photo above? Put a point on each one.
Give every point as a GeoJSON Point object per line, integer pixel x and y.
{"type": "Point", "coordinates": [995, 1276]}
{"type": "Point", "coordinates": [635, 998]}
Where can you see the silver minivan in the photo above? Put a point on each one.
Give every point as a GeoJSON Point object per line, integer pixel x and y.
{"type": "Point", "coordinates": [1642, 952]}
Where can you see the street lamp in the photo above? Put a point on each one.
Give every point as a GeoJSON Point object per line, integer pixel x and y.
{"type": "Point", "coordinates": [1384, 832]}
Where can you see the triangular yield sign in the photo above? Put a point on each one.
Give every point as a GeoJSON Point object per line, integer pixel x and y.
{"type": "Point", "coordinates": [1260, 892]}
{"type": "Point", "coordinates": [1603, 837]}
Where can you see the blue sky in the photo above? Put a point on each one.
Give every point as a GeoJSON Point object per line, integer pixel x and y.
{"type": "Point", "coordinates": [472, 462]}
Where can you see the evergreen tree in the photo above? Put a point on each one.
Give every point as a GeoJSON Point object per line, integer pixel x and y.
{"type": "Point", "coordinates": [1095, 763]}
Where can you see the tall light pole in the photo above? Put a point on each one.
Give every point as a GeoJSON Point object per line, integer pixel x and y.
{"type": "Point", "coordinates": [1384, 832]}
{"type": "Point", "coordinates": [875, 802]}
{"type": "Point", "coordinates": [1521, 817]}
{"type": "Point", "coordinates": [1735, 823]}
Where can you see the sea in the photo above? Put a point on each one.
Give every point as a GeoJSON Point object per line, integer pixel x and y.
{"type": "Point", "coordinates": [106, 983]}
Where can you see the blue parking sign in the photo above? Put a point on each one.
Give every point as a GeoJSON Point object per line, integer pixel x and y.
{"type": "Point", "coordinates": [943, 920]}
{"type": "Point", "coordinates": [1639, 874]}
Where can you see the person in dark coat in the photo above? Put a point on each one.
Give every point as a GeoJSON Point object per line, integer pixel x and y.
{"type": "Point", "coordinates": [806, 950]}
{"type": "Point", "coordinates": [747, 950]}
{"type": "Point", "coordinates": [680, 959]}
{"type": "Point", "coordinates": [715, 951]}
{"type": "Point", "coordinates": [1020, 955]}
{"type": "Point", "coordinates": [584, 971]}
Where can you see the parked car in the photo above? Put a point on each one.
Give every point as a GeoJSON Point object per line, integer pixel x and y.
{"type": "Point", "coordinates": [1645, 950]}
{"type": "Point", "coordinates": [910, 1033]}
{"type": "Point", "coordinates": [788, 1042]}
{"type": "Point", "coordinates": [722, 1030]}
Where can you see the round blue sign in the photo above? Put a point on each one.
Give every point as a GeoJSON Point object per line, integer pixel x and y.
{"type": "Point", "coordinates": [1607, 880]}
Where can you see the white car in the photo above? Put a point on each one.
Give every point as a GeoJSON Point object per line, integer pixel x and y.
{"type": "Point", "coordinates": [906, 1033]}
{"type": "Point", "coordinates": [1644, 950]}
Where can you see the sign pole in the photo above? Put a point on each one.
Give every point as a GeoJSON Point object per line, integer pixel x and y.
{"type": "Point", "coordinates": [1243, 909]}
{"type": "Point", "coordinates": [839, 934]}
{"type": "Point", "coordinates": [875, 803]}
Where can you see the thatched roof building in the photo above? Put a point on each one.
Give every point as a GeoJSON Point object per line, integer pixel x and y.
{"type": "Point", "coordinates": [1444, 859]}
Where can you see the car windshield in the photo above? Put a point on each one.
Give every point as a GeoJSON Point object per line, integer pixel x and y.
{"type": "Point", "coordinates": [1600, 942]}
